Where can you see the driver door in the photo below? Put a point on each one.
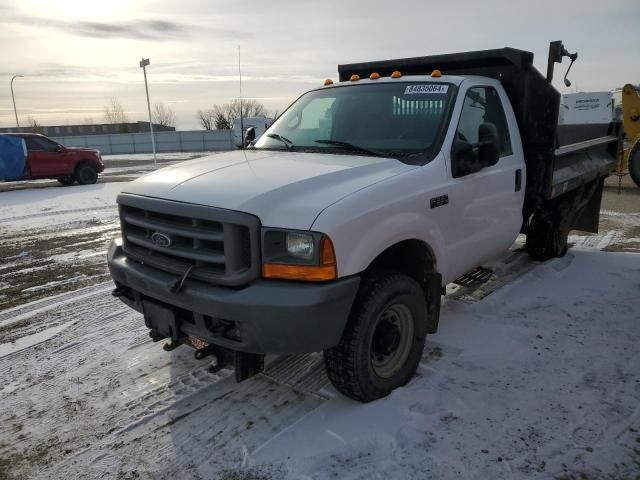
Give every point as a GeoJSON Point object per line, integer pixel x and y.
{"type": "Point", "coordinates": [485, 205]}
{"type": "Point", "coordinates": [45, 157]}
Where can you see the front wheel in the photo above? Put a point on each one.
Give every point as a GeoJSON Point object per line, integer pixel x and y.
{"type": "Point", "coordinates": [86, 174]}
{"type": "Point", "coordinates": [383, 341]}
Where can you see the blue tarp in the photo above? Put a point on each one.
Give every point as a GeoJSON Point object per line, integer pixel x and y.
{"type": "Point", "coordinates": [13, 158]}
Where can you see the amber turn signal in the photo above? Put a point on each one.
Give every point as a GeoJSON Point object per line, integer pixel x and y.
{"type": "Point", "coordinates": [327, 270]}
{"type": "Point", "coordinates": [396, 74]}
{"type": "Point", "coordinates": [355, 78]}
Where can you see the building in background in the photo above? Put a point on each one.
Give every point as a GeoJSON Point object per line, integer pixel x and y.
{"type": "Point", "coordinates": [90, 129]}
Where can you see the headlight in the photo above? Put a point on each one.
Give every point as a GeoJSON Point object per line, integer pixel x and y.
{"type": "Point", "coordinates": [300, 245]}
{"type": "Point", "coordinates": [295, 255]}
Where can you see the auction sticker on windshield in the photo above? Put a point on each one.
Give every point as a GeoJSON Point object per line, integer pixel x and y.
{"type": "Point", "coordinates": [426, 88]}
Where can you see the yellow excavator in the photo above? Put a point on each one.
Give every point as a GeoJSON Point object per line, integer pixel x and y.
{"type": "Point", "coordinates": [629, 158]}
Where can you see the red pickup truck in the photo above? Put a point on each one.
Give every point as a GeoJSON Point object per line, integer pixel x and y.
{"type": "Point", "coordinates": [49, 159]}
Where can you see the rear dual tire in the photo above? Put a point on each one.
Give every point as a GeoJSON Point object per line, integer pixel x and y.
{"type": "Point", "coordinates": [383, 341]}
{"type": "Point", "coordinates": [548, 236]}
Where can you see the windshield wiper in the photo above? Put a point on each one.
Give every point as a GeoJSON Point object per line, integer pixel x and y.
{"type": "Point", "coordinates": [288, 143]}
{"type": "Point", "coordinates": [351, 146]}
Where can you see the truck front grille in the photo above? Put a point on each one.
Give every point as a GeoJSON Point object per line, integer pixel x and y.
{"type": "Point", "coordinates": [219, 246]}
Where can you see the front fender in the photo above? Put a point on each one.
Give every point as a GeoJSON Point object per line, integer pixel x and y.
{"type": "Point", "coordinates": [358, 244]}
{"type": "Point", "coordinates": [366, 223]}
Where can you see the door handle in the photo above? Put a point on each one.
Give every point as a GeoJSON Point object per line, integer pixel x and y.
{"type": "Point", "coordinates": [518, 179]}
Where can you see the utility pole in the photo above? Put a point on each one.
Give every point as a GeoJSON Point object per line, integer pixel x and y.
{"type": "Point", "coordinates": [143, 64]}
{"type": "Point", "coordinates": [14, 99]}
{"type": "Point", "coordinates": [241, 119]}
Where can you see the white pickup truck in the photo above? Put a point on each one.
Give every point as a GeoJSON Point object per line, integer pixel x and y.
{"type": "Point", "coordinates": [339, 228]}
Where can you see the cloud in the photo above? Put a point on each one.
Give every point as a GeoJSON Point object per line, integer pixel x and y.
{"type": "Point", "coordinates": [136, 29]}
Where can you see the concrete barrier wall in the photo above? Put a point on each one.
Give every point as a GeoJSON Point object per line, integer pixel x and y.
{"type": "Point", "coordinates": [187, 141]}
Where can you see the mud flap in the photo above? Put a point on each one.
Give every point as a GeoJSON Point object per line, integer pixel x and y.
{"type": "Point", "coordinates": [588, 217]}
{"type": "Point", "coordinates": [247, 365]}
{"type": "Point", "coordinates": [434, 299]}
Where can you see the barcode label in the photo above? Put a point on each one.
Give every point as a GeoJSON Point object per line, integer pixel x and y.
{"type": "Point", "coordinates": [426, 88]}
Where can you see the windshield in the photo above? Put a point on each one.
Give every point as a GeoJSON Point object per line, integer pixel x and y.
{"type": "Point", "coordinates": [402, 120]}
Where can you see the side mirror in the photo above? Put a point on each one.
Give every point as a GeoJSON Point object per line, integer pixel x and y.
{"type": "Point", "coordinates": [250, 135]}
{"type": "Point", "coordinates": [59, 148]}
{"type": "Point", "coordinates": [470, 158]}
{"type": "Point", "coordinates": [464, 159]}
{"type": "Point", "coordinates": [488, 145]}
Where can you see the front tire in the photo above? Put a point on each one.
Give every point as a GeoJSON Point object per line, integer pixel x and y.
{"type": "Point", "coordinates": [86, 174]}
{"type": "Point", "coordinates": [383, 341]}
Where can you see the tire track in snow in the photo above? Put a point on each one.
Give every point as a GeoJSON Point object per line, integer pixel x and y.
{"type": "Point", "coordinates": [105, 370]}
{"type": "Point", "coordinates": [59, 212]}
{"type": "Point", "coordinates": [39, 306]}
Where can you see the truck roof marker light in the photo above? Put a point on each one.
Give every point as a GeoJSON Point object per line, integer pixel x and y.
{"type": "Point", "coordinates": [374, 76]}
{"type": "Point", "coordinates": [328, 81]}
{"type": "Point", "coordinates": [354, 78]}
{"type": "Point", "coordinates": [396, 74]}
{"type": "Point", "coordinates": [436, 74]}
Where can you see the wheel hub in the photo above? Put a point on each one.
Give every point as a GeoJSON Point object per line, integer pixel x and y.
{"type": "Point", "coordinates": [386, 338]}
{"type": "Point", "coordinates": [392, 340]}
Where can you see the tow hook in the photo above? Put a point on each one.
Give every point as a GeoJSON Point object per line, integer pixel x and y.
{"type": "Point", "coordinates": [217, 357]}
{"type": "Point", "coordinates": [204, 352]}
{"type": "Point", "coordinates": [121, 291]}
{"type": "Point", "coordinates": [172, 345]}
{"type": "Point", "coordinates": [156, 336]}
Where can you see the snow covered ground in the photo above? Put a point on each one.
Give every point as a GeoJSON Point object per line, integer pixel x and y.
{"type": "Point", "coordinates": [534, 374]}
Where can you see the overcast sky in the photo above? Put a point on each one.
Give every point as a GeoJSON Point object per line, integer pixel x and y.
{"type": "Point", "coordinates": [76, 54]}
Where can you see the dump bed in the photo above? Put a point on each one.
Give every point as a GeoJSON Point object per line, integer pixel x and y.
{"type": "Point", "coordinates": [557, 160]}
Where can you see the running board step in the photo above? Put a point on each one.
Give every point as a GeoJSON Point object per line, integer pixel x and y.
{"type": "Point", "coordinates": [474, 278]}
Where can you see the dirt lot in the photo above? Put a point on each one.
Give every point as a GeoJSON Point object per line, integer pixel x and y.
{"type": "Point", "coordinates": [533, 374]}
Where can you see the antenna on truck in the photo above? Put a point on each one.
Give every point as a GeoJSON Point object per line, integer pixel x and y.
{"type": "Point", "coordinates": [556, 52]}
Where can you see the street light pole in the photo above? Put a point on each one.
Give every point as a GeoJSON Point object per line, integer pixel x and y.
{"type": "Point", "coordinates": [143, 64]}
{"type": "Point", "coordinates": [14, 99]}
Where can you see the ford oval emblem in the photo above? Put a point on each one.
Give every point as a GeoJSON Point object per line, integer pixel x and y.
{"type": "Point", "coordinates": [161, 239]}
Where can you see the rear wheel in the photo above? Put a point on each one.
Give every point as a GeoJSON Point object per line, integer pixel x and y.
{"type": "Point", "coordinates": [548, 236]}
{"type": "Point", "coordinates": [86, 174]}
{"type": "Point", "coordinates": [383, 341]}
{"type": "Point", "coordinates": [634, 163]}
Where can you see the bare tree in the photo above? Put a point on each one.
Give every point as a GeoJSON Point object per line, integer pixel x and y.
{"type": "Point", "coordinates": [221, 121]}
{"type": "Point", "coordinates": [227, 113]}
{"type": "Point", "coordinates": [163, 115]}
{"type": "Point", "coordinates": [222, 116]}
{"type": "Point", "coordinates": [114, 112]}
{"type": "Point", "coordinates": [206, 118]}
{"type": "Point", "coordinates": [34, 126]}
{"type": "Point", "coordinates": [250, 108]}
